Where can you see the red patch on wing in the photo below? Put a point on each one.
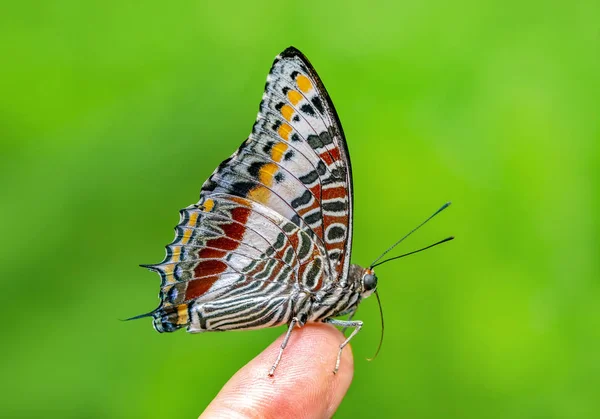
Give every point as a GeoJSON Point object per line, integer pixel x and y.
{"type": "Point", "coordinates": [330, 156]}
{"type": "Point", "coordinates": [336, 192]}
{"type": "Point", "coordinates": [319, 284]}
{"type": "Point", "coordinates": [316, 191]}
{"type": "Point", "coordinates": [315, 204]}
{"type": "Point", "coordinates": [209, 270]}
{"type": "Point", "coordinates": [294, 240]}
{"type": "Point", "coordinates": [223, 243]}
{"type": "Point", "coordinates": [207, 253]}
{"type": "Point", "coordinates": [236, 230]}
{"type": "Point", "coordinates": [330, 219]}
{"type": "Point", "coordinates": [198, 287]}
{"type": "Point", "coordinates": [209, 267]}
{"type": "Point", "coordinates": [240, 214]}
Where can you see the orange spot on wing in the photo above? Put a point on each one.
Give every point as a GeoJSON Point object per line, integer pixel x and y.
{"type": "Point", "coordinates": [278, 150]}
{"type": "Point", "coordinates": [304, 83]}
{"type": "Point", "coordinates": [208, 205]}
{"type": "Point", "coordinates": [294, 97]}
{"type": "Point", "coordinates": [169, 278]}
{"type": "Point", "coordinates": [186, 236]}
{"type": "Point", "coordinates": [182, 314]}
{"type": "Point", "coordinates": [284, 131]}
{"type": "Point", "coordinates": [167, 273]}
{"type": "Point", "coordinates": [240, 200]}
{"type": "Point", "coordinates": [287, 111]}
{"type": "Point", "coordinates": [193, 219]}
{"type": "Point", "coordinates": [175, 254]}
{"type": "Point", "coordinates": [260, 194]}
{"type": "Point", "coordinates": [266, 173]}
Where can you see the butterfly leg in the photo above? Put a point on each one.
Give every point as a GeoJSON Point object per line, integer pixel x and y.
{"type": "Point", "coordinates": [356, 324]}
{"type": "Point", "coordinates": [352, 313]}
{"type": "Point", "coordinates": [283, 345]}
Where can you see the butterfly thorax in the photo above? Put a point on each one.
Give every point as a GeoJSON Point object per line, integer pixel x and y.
{"type": "Point", "coordinates": [339, 298]}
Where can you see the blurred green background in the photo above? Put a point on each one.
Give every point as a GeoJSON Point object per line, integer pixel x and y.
{"type": "Point", "coordinates": [113, 114]}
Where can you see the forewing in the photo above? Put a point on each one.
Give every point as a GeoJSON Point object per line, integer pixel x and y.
{"type": "Point", "coordinates": [296, 160]}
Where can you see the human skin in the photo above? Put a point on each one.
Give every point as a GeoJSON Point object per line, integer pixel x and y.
{"type": "Point", "coordinates": [303, 386]}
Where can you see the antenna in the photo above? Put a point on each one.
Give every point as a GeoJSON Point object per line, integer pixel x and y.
{"type": "Point", "coordinates": [443, 207]}
{"type": "Point", "coordinates": [447, 239]}
{"type": "Point", "coordinates": [382, 327]}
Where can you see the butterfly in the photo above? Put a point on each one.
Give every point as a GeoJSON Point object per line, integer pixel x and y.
{"type": "Point", "coordinates": [270, 240]}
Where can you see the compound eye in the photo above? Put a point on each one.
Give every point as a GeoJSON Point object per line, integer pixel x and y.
{"type": "Point", "coordinates": [369, 282]}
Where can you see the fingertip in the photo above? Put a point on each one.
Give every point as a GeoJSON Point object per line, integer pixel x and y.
{"type": "Point", "coordinates": [303, 385]}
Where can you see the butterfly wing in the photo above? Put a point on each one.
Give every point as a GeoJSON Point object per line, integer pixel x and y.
{"type": "Point", "coordinates": [233, 264]}
{"type": "Point", "coordinates": [273, 218]}
{"type": "Point", "coordinates": [296, 160]}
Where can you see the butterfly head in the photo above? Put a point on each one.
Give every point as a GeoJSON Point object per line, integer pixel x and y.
{"type": "Point", "coordinates": [368, 282]}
